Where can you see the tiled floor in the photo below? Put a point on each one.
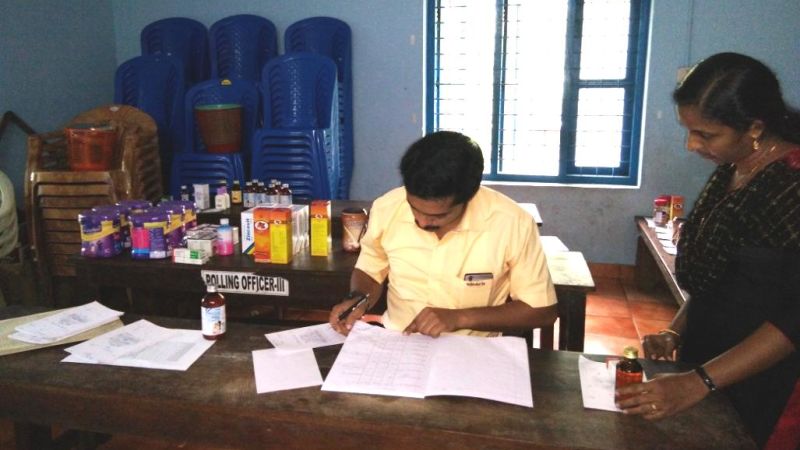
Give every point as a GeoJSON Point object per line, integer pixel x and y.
{"type": "Point", "coordinates": [617, 314]}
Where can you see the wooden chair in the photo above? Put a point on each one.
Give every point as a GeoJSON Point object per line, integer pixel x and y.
{"type": "Point", "coordinates": [54, 195]}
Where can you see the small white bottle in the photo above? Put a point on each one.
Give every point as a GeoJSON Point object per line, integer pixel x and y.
{"type": "Point", "coordinates": [224, 237]}
{"type": "Point", "coordinates": [222, 200]}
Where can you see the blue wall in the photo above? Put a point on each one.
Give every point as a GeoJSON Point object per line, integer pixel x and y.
{"type": "Point", "coordinates": [389, 88]}
{"type": "Point", "coordinates": [56, 61]}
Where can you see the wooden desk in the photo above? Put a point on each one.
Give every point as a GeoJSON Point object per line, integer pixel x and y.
{"type": "Point", "coordinates": [653, 264]}
{"type": "Point", "coordinates": [314, 283]}
{"type": "Point", "coordinates": [215, 403]}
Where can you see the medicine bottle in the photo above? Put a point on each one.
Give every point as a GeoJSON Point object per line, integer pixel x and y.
{"type": "Point", "coordinates": [629, 370]}
{"type": "Point", "coordinates": [236, 193]}
{"type": "Point", "coordinates": [224, 237]}
{"type": "Point", "coordinates": [212, 314]}
{"type": "Point", "coordinates": [285, 194]}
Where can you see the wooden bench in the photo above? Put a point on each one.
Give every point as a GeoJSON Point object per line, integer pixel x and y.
{"type": "Point", "coordinates": [653, 264]}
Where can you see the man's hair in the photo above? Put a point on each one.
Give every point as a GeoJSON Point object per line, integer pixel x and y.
{"type": "Point", "coordinates": [443, 164]}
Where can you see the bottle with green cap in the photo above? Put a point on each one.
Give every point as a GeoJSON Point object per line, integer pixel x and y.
{"type": "Point", "coordinates": [629, 370]}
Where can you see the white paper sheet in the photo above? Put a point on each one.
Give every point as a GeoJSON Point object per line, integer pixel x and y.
{"type": "Point", "coordinates": [178, 352]}
{"type": "Point", "coordinates": [491, 368]}
{"type": "Point", "coordinates": [279, 370]}
{"type": "Point", "coordinates": [66, 323]}
{"type": "Point", "coordinates": [306, 337]}
{"type": "Point", "coordinates": [125, 341]}
{"type": "Point", "coordinates": [597, 384]}
{"type": "Point", "coordinates": [384, 362]}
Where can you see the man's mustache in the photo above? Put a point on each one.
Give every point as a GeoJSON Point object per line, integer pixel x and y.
{"type": "Point", "coordinates": [427, 227]}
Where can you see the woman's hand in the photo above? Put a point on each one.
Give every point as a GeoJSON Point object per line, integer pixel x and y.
{"type": "Point", "coordinates": [660, 346]}
{"type": "Point", "coordinates": [661, 397]}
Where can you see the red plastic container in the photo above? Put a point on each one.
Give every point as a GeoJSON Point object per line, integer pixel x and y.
{"type": "Point", "coordinates": [90, 146]}
{"type": "Point", "coordinates": [220, 126]}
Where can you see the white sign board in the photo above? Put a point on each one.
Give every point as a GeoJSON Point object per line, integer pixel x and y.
{"type": "Point", "coordinates": [246, 283]}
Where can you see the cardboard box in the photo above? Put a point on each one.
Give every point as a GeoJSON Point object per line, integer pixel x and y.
{"type": "Point", "coordinates": [299, 228]}
{"type": "Point", "coordinates": [321, 241]}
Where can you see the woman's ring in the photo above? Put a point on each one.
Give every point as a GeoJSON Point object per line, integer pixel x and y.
{"type": "Point", "coordinates": [653, 406]}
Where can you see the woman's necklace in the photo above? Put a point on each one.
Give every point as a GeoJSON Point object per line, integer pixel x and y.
{"type": "Point", "coordinates": [740, 179]}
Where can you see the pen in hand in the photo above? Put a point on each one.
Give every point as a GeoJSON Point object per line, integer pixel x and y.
{"type": "Point", "coordinates": [346, 313]}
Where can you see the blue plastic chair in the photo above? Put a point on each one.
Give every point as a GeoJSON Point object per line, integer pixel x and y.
{"type": "Point", "coordinates": [299, 142]}
{"type": "Point", "coordinates": [183, 38]}
{"type": "Point", "coordinates": [205, 168]}
{"type": "Point", "coordinates": [242, 92]}
{"type": "Point", "coordinates": [241, 45]}
{"type": "Point", "coordinates": [332, 38]}
{"type": "Point", "coordinates": [155, 85]}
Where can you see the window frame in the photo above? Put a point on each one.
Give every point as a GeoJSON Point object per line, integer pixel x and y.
{"type": "Point", "coordinates": [633, 83]}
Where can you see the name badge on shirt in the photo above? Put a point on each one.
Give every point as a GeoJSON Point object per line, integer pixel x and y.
{"type": "Point", "coordinates": [477, 279]}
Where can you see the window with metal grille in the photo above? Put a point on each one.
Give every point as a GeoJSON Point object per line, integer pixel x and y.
{"type": "Point", "coordinates": [550, 89]}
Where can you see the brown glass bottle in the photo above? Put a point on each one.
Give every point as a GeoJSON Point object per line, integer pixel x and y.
{"type": "Point", "coordinates": [629, 370]}
{"type": "Point", "coordinates": [236, 193]}
{"type": "Point", "coordinates": [212, 314]}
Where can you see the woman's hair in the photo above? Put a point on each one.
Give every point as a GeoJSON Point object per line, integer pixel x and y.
{"type": "Point", "coordinates": [443, 164]}
{"type": "Point", "coordinates": [735, 90]}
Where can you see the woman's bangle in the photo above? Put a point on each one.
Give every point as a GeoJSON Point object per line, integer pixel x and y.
{"type": "Point", "coordinates": [701, 372]}
{"type": "Point", "coordinates": [670, 331]}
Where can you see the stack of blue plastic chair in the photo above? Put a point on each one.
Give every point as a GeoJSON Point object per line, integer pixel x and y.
{"type": "Point", "coordinates": [299, 144]}
{"type": "Point", "coordinates": [332, 38]}
{"type": "Point", "coordinates": [195, 164]}
{"type": "Point", "coordinates": [183, 38]}
{"type": "Point", "coordinates": [155, 85]}
{"type": "Point", "coordinates": [241, 45]}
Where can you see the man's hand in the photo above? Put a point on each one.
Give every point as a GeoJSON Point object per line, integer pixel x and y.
{"type": "Point", "coordinates": [434, 321]}
{"type": "Point", "coordinates": [346, 325]}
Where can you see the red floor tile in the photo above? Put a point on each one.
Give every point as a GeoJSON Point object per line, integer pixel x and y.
{"type": "Point", "coordinates": [651, 310]}
{"type": "Point", "coordinates": [609, 287]}
{"type": "Point", "coordinates": [611, 326]}
{"type": "Point", "coordinates": [598, 305]}
{"type": "Point", "coordinates": [649, 326]}
{"type": "Point", "coordinates": [599, 344]}
{"type": "Point", "coordinates": [635, 294]}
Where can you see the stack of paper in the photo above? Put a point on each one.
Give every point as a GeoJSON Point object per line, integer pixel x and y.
{"type": "Point", "coordinates": [385, 362]}
{"type": "Point", "coordinates": [142, 344]}
{"type": "Point", "coordinates": [291, 364]}
{"type": "Point", "coordinates": [65, 324]}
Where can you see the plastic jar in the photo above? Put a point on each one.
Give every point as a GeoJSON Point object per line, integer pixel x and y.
{"type": "Point", "coordinates": [661, 210]}
{"type": "Point", "coordinates": [122, 237]}
{"type": "Point", "coordinates": [148, 235]}
{"type": "Point", "coordinates": [98, 230]}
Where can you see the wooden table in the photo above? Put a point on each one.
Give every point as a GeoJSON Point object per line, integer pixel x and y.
{"type": "Point", "coordinates": [653, 264]}
{"type": "Point", "coordinates": [215, 403]}
{"type": "Point", "coordinates": [164, 288]}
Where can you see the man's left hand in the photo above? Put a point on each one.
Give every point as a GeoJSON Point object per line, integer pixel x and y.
{"type": "Point", "coordinates": [434, 321]}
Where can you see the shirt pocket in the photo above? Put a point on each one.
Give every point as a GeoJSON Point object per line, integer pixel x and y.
{"type": "Point", "coordinates": [473, 290]}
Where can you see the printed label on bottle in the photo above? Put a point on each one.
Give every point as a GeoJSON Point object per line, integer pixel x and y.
{"type": "Point", "coordinates": [213, 320]}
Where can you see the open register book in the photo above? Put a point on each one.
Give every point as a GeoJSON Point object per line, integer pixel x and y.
{"type": "Point", "coordinates": [384, 362]}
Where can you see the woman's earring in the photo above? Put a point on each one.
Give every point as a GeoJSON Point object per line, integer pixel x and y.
{"type": "Point", "coordinates": [756, 144]}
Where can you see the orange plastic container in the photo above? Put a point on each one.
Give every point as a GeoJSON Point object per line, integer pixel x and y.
{"type": "Point", "coordinates": [220, 126]}
{"type": "Point", "coordinates": [90, 146]}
